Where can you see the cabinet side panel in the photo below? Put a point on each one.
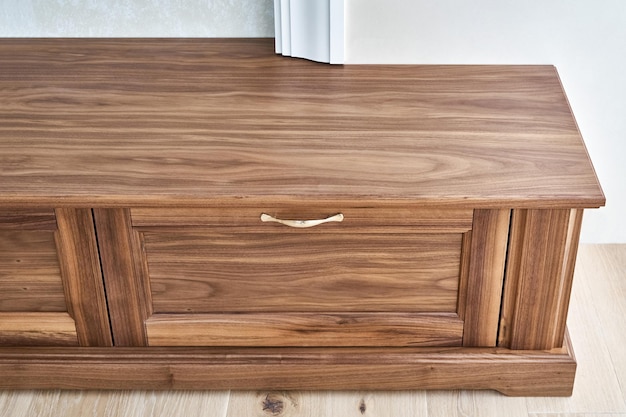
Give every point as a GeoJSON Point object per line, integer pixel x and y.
{"type": "Point", "coordinates": [82, 278]}
{"type": "Point", "coordinates": [121, 255]}
{"type": "Point", "coordinates": [538, 282]}
{"type": "Point", "coordinates": [486, 273]}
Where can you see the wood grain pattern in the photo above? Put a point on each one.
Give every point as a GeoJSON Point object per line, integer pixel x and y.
{"type": "Point", "coordinates": [542, 253]}
{"type": "Point", "coordinates": [30, 276]}
{"type": "Point", "coordinates": [82, 277]}
{"type": "Point", "coordinates": [218, 270]}
{"type": "Point", "coordinates": [362, 216]}
{"type": "Point", "coordinates": [32, 329]}
{"type": "Point", "coordinates": [486, 273]}
{"type": "Point", "coordinates": [302, 330]}
{"type": "Point", "coordinates": [188, 122]}
{"type": "Point", "coordinates": [128, 293]}
{"type": "Point", "coordinates": [21, 219]}
{"type": "Point", "coordinates": [510, 372]}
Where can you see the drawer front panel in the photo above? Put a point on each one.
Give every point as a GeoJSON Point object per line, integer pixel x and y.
{"type": "Point", "coordinates": [220, 276]}
{"type": "Point", "coordinates": [225, 270]}
{"type": "Point", "coordinates": [383, 276]}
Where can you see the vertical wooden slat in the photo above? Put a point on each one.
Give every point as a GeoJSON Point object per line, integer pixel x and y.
{"type": "Point", "coordinates": [543, 247]}
{"type": "Point", "coordinates": [486, 273]}
{"type": "Point", "coordinates": [466, 246]}
{"type": "Point", "coordinates": [82, 278]}
{"type": "Point", "coordinates": [122, 265]}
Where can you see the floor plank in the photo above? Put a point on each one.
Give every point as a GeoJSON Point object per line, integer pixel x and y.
{"type": "Point", "coordinates": [113, 403]}
{"type": "Point", "coordinates": [609, 269]}
{"type": "Point", "coordinates": [474, 404]}
{"type": "Point", "coordinates": [69, 403]}
{"type": "Point", "coordinates": [577, 415]}
{"type": "Point", "coordinates": [167, 404]}
{"type": "Point", "coordinates": [326, 403]}
{"type": "Point", "coordinates": [15, 403]}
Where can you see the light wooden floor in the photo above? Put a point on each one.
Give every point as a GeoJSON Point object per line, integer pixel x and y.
{"type": "Point", "coordinates": [597, 323]}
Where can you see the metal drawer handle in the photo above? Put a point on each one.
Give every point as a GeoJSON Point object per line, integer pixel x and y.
{"type": "Point", "coordinates": [302, 223]}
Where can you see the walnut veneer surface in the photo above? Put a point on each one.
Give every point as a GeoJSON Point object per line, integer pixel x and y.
{"type": "Point", "coordinates": [169, 122]}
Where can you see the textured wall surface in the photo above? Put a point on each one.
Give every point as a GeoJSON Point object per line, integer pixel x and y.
{"type": "Point", "coordinates": [140, 18]}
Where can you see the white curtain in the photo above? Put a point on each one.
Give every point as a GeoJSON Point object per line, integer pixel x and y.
{"type": "Point", "coordinates": [311, 29]}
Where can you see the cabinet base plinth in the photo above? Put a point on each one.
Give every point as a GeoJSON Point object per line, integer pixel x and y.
{"type": "Point", "coordinates": [515, 373]}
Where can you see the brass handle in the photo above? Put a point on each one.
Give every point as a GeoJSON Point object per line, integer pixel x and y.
{"type": "Point", "coordinates": [302, 223]}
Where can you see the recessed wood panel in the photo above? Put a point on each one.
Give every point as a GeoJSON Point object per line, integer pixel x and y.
{"type": "Point", "coordinates": [30, 277]}
{"type": "Point", "coordinates": [217, 270]}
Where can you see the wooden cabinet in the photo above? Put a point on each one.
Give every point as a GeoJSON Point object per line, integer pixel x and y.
{"type": "Point", "coordinates": [154, 194]}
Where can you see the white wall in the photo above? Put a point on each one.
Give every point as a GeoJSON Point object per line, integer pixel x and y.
{"type": "Point", "coordinates": [585, 39]}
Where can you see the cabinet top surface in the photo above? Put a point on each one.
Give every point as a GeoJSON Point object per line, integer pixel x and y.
{"type": "Point", "coordinates": [185, 122]}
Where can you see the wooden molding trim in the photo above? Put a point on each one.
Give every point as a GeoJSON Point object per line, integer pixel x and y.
{"type": "Point", "coordinates": [518, 373]}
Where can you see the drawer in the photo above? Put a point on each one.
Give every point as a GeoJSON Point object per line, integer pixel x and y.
{"type": "Point", "coordinates": [228, 261]}
{"type": "Point", "coordinates": [220, 276]}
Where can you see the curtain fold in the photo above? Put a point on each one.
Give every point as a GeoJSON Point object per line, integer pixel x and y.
{"type": "Point", "coordinates": [311, 29]}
